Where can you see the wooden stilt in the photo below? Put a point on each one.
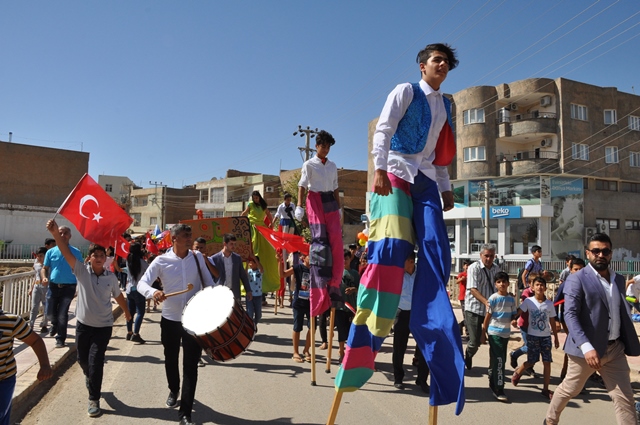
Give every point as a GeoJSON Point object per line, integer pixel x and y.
{"type": "Point", "coordinates": [330, 347]}
{"type": "Point", "coordinates": [334, 408]}
{"type": "Point", "coordinates": [433, 415]}
{"type": "Point", "coordinates": [313, 351]}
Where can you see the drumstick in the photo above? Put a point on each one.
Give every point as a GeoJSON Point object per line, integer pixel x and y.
{"type": "Point", "coordinates": [330, 348]}
{"type": "Point", "coordinates": [189, 287]}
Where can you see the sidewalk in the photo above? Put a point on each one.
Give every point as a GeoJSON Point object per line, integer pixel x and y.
{"type": "Point", "coordinates": [27, 383]}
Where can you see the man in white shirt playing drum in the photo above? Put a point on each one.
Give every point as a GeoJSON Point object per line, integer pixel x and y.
{"type": "Point", "coordinates": [177, 268]}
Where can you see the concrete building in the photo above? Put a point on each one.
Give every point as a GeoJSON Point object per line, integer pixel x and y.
{"type": "Point", "coordinates": [230, 195]}
{"type": "Point", "coordinates": [35, 181]}
{"type": "Point", "coordinates": [562, 159]}
{"type": "Point", "coordinates": [162, 206]}
{"type": "Point", "coordinates": [119, 188]}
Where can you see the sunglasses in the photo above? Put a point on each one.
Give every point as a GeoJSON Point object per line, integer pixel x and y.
{"type": "Point", "coordinates": [596, 251]}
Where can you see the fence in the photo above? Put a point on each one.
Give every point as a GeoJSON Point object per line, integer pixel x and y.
{"type": "Point", "coordinates": [14, 289]}
{"type": "Point", "coordinates": [10, 251]}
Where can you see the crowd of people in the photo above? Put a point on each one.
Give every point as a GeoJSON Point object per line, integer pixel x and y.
{"type": "Point", "coordinates": [395, 286]}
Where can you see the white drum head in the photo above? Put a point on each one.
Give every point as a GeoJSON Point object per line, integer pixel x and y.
{"type": "Point", "coordinates": [208, 310]}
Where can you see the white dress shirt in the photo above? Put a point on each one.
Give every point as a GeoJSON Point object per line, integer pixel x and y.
{"type": "Point", "coordinates": [406, 166]}
{"type": "Point", "coordinates": [319, 177]}
{"type": "Point", "coordinates": [175, 273]}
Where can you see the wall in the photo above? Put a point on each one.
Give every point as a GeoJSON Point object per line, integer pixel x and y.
{"type": "Point", "coordinates": [27, 226]}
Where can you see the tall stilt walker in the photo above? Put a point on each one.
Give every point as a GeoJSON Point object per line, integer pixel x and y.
{"type": "Point", "coordinates": [413, 145]}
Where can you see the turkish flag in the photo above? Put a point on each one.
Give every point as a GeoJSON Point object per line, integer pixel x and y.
{"type": "Point", "coordinates": [122, 247]}
{"type": "Point", "coordinates": [94, 213]}
{"type": "Point", "coordinates": [151, 245]}
{"type": "Point", "coordinates": [291, 243]}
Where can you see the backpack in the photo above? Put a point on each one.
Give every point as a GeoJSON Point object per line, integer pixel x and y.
{"type": "Point", "coordinates": [521, 272]}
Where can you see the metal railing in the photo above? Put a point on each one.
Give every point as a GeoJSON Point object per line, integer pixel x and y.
{"type": "Point", "coordinates": [11, 251]}
{"type": "Point", "coordinates": [527, 156]}
{"type": "Point", "coordinates": [14, 289]}
{"type": "Point", "coordinates": [515, 117]}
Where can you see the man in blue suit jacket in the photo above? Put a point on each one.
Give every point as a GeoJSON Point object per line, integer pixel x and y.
{"type": "Point", "coordinates": [229, 265]}
{"type": "Point", "coordinates": [601, 333]}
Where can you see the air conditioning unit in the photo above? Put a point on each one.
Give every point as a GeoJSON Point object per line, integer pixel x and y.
{"type": "Point", "coordinates": [545, 101]}
{"type": "Point", "coordinates": [546, 143]}
{"type": "Point", "coordinates": [588, 232]}
{"type": "Point", "coordinates": [269, 189]}
{"type": "Point", "coordinates": [513, 106]}
{"type": "Point", "coordinates": [603, 228]}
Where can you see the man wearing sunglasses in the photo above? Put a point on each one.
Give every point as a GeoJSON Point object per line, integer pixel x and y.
{"type": "Point", "coordinates": [600, 333]}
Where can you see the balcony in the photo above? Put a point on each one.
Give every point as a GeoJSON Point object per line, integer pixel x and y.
{"type": "Point", "coordinates": [524, 124]}
{"type": "Point", "coordinates": [533, 162]}
{"type": "Point", "coordinates": [210, 206]}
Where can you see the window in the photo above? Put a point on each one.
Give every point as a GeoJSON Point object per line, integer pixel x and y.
{"type": "Point", "coordinates": [610, 116]}
{"type": "Point", "coordinates": [611, 154]}
{"type": "Point", "coordinates": [136, 219]}
{"type": "Point", "coordinates": [634, 159]}
{"type": "Point", "coordinates": [634, 123]}
{"type": "Point", "coordinates": [473, 116]}
{"type": "Point", "coordinates": [606, 185]}
{"type": "Point", "coordinates": [143, 201]}
{"type": "Point", "coordinates": [475, 153]}
{"type": "Point", "coordinates": [578, 112]}
{"type": "Point", "coordinates": [217, 195]}
{"type": "Point", "coordinates": [630, 187]}
{"type": "Point", "coordinates": [612, 222]}
{"type": "Point", "coordinates": [580, 151]}
{"type": "Point", "coordinates": [108, 188]}
{"type": "Point", "coordinates": [585, 183]}
{"type": "Point", "coordinates": [632, 224]}
{"type": "Point", "coordinates": [153, 220]}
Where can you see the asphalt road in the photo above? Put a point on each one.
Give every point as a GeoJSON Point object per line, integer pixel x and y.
{"type": "Point", "coordinates": [264, 386]}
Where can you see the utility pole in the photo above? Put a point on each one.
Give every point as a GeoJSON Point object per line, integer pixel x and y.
{"type": "Point", "coordinates": [487, 229]}
{"type": "Point", "coordinates": [310, 135]}
{"type": "Point", "coordinates": [163, 186]}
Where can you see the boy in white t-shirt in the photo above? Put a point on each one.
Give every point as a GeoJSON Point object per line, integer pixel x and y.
{"type": "Point", "coordinates": [541, 323]}
{"type": "Point", "coordinates": [254, 305]}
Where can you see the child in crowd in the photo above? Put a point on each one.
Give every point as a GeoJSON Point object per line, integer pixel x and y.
{"type": "Point", "coordinates": [575, 264]}
{"type": "Point", "coordinates": [344, 314]}
{"type": "Point", "coordinates": [541, 323]}
{"type": "Point", "coordinates": [14, 326]}
{"type": "Point", "coordinates": [461, 280]}
{"type": "Point", "coordinates": [497, 328]}
{"type": "Point", "coordinates": [96, 286]}
{"type": "Point", "coordinates": [254, 305]}
{"type": "Point", "coordinates": [523, 324]}
{"type": "Point", "coordinates": [38, 293]}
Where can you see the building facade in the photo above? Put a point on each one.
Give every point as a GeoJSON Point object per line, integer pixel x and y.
{"type": "Point", "coordinates": [119, 188]}
{"type": "Point", "coordinates": [162, 206]}
{"type": "Point", "coordinates": [561, 159]}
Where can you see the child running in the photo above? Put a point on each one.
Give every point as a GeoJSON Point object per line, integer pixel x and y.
{"type": "Point", "coordinates": [497, 328]}
{"type": "Point", "coordinates": [541, 323]}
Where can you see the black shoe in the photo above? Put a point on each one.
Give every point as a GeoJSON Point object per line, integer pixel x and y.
{"type": "Point", "coordinates": [200, 363]}
{"type": "Point", "coordinates": [128, 337]}
{"type": "Point", "coordinates": [172, 400]}
{"type": "Point", "coordinates": [500, 396]}
{"type": "Point", "coordinates": [186, 421]}
{"type": "Point", "coordinates": [423, 386]}
{"type": "Point", "coordinates": [53, 331]}
{"type": "Point", "coordinates": [137, 338]}
{"type": "Point", "coordinates": [44, 329]}
{"type": "Point", "coordinates": [399, 385]}
{"type": "Point", "coordinates": [468, 362]}
{"type": "Point", "coordinates": [60, 344]}
{"type": "Point", "coordinates": [514, 361]}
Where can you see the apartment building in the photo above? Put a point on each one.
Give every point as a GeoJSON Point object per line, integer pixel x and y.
{"type": "Point", "coordinates": [162, 206]}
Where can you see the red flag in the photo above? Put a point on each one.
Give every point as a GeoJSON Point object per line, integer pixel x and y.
{"type": "Point", "coordinates": [164, 240]}
{"type": "Point", "coordinates": [122, 247]}
{"type": "Point", "coordinates": [291, 243]}
{"type": "Point", "coordinates": [94, 213]}
{"type": "Point", "coordinates": [151, 245]}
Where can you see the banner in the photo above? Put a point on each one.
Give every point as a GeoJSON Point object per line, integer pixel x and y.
{"type": "Point", "coordinates": [213, 229]}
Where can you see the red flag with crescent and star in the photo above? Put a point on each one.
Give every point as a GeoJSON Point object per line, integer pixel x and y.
{"type": "Point", "coordinates": [98, 218]}
{"type": "Point", "coordinates": [122, 247]}
{"type": "Point", "coordinates": [291, 243]}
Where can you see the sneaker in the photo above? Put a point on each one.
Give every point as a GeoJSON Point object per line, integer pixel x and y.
{"type": "Point", "coordinates": [172, 400]}
{"type": "Point", "coordinates": [423, 386]}
{"type": "Point", "coordinates": [500, 396]}
{"type": "Point", "coordinates": [137, 338]}
{"type": "Point", "coordinates": [60, 344]}
{"type": "Point", "coordinates": [514, 360]}
{"type": "Point", "coordinates": [94, 408]}
{"type": "Point", "coordinates": [129, 335]}
{"type": "Point", "coordinates": [44, 329]}
{"type": "Point", "coordinates": [186, 421]}
{"type": "Point", "coordinates": [53, 331]}
{"type": "Point", "coordinates": [200, 363]}
{"type": "Point", "coordinates": [399, 385]}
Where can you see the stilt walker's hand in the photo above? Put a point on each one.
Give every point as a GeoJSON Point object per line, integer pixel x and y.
{"type": "Point", "coordinates": [299, 213]}
{"type": "Point", "coordinates": [381, 183]}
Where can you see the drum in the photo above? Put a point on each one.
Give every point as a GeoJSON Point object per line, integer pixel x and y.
{"type": "Point", "coordinates": [219, 323]}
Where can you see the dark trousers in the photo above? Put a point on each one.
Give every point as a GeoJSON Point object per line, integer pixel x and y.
{"type": "Point", "coordinates": [498, 358]}
{"type": "Point", "coordinates": [136, 303]}
{"type": "Point", "coordinates": [400, 339]}
{"type": "Point", "coordinates": [172, 333]}
{"type": "Point", "coordinates": [92, 344]}
{"type": "Point", "coordinates": [58, 302]}
{"type": "Point", "coordinates": [323, 325]}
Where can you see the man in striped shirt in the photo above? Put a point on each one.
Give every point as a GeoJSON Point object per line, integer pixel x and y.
{"type": "Point", "coordinates": [11, 327]}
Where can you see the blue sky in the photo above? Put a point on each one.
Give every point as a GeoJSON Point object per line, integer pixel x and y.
{"type": "Point", "coordinates": [181, 91]}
